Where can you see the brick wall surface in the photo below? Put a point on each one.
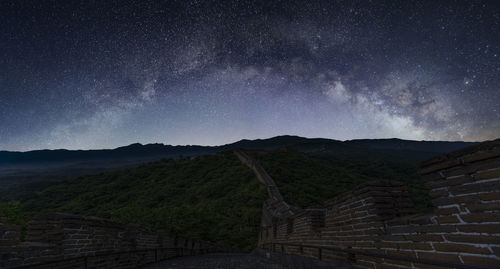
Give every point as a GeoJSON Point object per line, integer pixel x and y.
{"type": "Point", "coordinates": [91, 242]}
{"type": "Point", "coordinates": [8, 234]}
{"type": "Point", "coordinates": [379, 218]}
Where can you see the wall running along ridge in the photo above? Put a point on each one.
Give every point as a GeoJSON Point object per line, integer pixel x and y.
{"type": "Point", "coordinates": [378, 217]}
{"type": "Point", "coordinates": [57, 236]}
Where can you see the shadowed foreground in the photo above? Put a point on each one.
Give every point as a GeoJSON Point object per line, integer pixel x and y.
{"type": "Point", "coordinates": [219, 261]}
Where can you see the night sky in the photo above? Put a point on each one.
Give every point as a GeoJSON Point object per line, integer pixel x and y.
{"type": "Point", "coordinates": [103, 74]}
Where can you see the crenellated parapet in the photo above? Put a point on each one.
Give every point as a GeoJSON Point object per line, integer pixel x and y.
{"type": "Point", "coordinates": [72, 241]}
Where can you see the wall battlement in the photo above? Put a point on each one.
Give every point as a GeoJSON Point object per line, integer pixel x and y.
{"type": "Point", "coordinates": [58, 236]}
{"type": "Point", "coordinates": [379, 218]}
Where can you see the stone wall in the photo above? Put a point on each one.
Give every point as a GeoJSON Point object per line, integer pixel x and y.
{"type": "Point", "coordinates": [56, 237]}
{"type": "Point", "coordinates": [275, 206]}
{"type": "Point", "coordinates": [379, 218]}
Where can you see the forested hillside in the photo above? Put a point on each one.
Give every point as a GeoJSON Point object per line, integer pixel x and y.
{"type": "Point", "coordinates": [307, 179]}
{"type": "Point", "coordinates": [213, 197]}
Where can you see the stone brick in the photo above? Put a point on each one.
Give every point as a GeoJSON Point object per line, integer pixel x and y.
{"type": "Point", "coordinates": [425, 238]}
{"type": "Point", "coordinates": [363, 244]}
{"type": "Point", "coordinates": [385, 245]}
{"type": "Point", "coordinates": [446, 211]}
{"type": "Point", "coordinates": [391, 237]}
{"type": "Point", "coordinates": [428, 266]}
{"type": "Point", "coordinates": [481, 261]}
{"type": "Point", "coordinates": [370, 258]}
{"type": "Point", "coordinates": [439, 166]}
{"type": "Point", "coordinates": [449, 247]}
{"type": "Point", "coordinates": [401, 253]}
{"type": "Point", "coordinates": [366, 264]}
{"type": "Point", "coordinates": [487, 154]}
{"type": "Point", "coordinates": [495, 195]}
{"type": "Point", "coordinates": [449, 182]}
{"type": "Point", "coordinates": [439, 257]}
{"type": "Point", "coordinates": [477, 239]}
{"type": "Point", "coordinates": [445, 201]}
{"type": "Point", "coordinates": [415, 246]}
{"type": "Point", "coordinates": [475, 188]}
{"type": "Point", "coordinates": [80, 236]}
{"type": "Point", "coordinates": [495, 206]}
{"type": "Point", "coordinates": [420, 220]}
{"type": "Point", "coordinates": [447, 219]}
{"type": "Point", "coordinates": [479, 228]}
{"type": "Point", "coordinates": [8, 242]}
{"type": "Point", "coordinates": [11, 235]}
{"type": "Point", "coordinates": [484, 165]}
{"type": "Point", "coordinates": [435, 229]}
{"type": "Point", "coordinates": [487, 174]}
{"type": "Point", "coordinates": [481, 217]}
{"type": "Point", "coordinates": [397, 265]}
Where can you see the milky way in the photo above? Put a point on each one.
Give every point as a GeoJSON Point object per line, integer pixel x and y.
{"type": "Point", "coordinates": [101, 75]}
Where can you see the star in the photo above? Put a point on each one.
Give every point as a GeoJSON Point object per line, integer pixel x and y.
{"type": "Point", "coordinates": [103, 75]}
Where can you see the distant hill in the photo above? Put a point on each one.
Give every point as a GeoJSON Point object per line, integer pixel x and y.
{"type": "Point", "coordinates": [133, 151]}
{"type": "Point", "coordinates": [400, 144]}
{"type": "Point", "coordinates": [140, 151]}
{"type": "Point", "coordinates": [55, 165]}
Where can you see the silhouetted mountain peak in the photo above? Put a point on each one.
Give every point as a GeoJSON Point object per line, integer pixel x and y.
{"type": "Point", "coordinates": [155, 150]}
{"type": "Point", "coordinates": [131, 146]}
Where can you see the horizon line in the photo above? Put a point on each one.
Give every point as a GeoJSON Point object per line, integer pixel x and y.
{"type": "Point", "coordinates": [242, 139]}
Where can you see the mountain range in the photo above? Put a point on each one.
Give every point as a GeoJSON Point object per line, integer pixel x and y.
{"type": "Point", "coordinates": [55, 165]}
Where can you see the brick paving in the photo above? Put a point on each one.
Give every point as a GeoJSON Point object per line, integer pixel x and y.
{"type": "Point", "coordinates": [218, 261]}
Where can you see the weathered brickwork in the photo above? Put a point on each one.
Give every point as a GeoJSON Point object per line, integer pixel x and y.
{"type": "Point", "coordinates": [9, 235]}
{"type": "Point", "coordinates": [379, 218]}
{"type": "Point", "coordinates": [56, 237]}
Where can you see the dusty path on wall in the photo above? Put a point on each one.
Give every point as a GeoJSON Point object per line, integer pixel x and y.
{"type": "Point", "coordinates": [219, 261]}
{"type": "Point", "coordinates": [262, 175]}
{"type": "Point", "coordinates": [276, 205]}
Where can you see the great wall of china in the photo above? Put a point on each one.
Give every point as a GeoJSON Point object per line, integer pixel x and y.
{"type": "Point", "coordinates": [70, 241]}
{"type": "Point", "coordinates": [373, 226]}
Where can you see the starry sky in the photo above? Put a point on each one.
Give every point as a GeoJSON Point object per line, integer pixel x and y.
{"type": "Point", "coordinates": [102, 74]}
